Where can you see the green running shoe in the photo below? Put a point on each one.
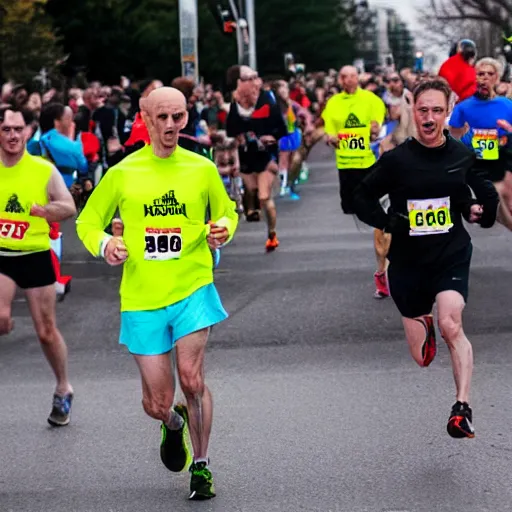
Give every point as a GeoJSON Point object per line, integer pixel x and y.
{"type": "Point", "coordinates": [201, 482]}
{"type": "Point", "coordinates": [174, 448]}
{"type": "Point", "coordinates": [304, 174]}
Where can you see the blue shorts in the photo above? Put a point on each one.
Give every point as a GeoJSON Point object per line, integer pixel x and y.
{"type": "Point", "coordinates": [291, 142]}
{"type": "Point", "coordinates": [151, 333]}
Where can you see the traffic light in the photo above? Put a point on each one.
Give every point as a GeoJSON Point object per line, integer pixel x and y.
{"type": "Point", "coordinates": [223, 16]}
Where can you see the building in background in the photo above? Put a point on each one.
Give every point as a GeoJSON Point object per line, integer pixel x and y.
{"type": "Point", "coordinates": [383, 39]}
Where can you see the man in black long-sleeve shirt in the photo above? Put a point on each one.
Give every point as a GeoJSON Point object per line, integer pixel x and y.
{"type": "Point", "coordinates": [256, 121]}
{"type": "Point", "coordinates": [430, 181]}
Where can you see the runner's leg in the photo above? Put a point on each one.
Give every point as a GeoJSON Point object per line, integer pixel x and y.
{"type": "Point", "coordinates": [250, 187]}
{"type": "Point", "coordinates": [450, 305]}
{"type": "Point", "coordinates": [42, 305]}
{"type": "Point", "coordinates": [265, 184]}
{"type": "Point", "coordinates": [190, 360]}
{"type": "Point", "coordinates": [381, 243]}
{"type": "Point", "coordinates": [420, 336]}
{"type": "Point", "coordinates": [284, 166]}
{"type": "Point", "coordinates": [7, 293]}
{"type": "Point", "coordinates": [157, 385]}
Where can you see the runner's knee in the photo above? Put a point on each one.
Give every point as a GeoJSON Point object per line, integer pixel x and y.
{"type": "Point", "coordinates": [191, 380]}
{"type": "Point", "coordinates": [450, 328]}
{"type": "Point", "coordinates": [157, 405]}
{"type": "Point", "coordinates": [46, 331]}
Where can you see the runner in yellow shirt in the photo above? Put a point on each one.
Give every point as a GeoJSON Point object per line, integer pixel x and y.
{"type": "Point", "coordinates": [32, 195]}
{"type": "Point", "coordinates": [351, 117]}
{"type": "Point", "coordinates": [167, 293]}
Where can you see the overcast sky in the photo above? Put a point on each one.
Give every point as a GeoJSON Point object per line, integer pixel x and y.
{"type": "Point", "coordinates": [407, 9]}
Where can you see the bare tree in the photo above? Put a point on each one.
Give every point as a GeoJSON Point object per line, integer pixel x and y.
{"type": "Point", "coordinates": [496, 12]}
{"type": "Point", "coordinates": [484, 21]}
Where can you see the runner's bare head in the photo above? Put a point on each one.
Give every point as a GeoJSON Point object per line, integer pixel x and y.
{"type": "Point", "coordinates": [431, 100]}
{"type": "Point", "coordinates": [164, 111]}
{"type": "Point", "coordinates": [349, 79]}
{"type": "Point", "coordinates": [12, 132]}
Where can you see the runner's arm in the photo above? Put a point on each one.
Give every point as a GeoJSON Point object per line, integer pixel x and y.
{"type": "Point", "coordinates": [61, 205]}
{"type": "Point", "coordinates": [367, 195]}
{"type": "Point", "coordinates": [457, 126]}
{"type": "Point", "coordinates": [329, 125]}
{"type": "Point", "coordinates": [486, 195]}
{"type": "Point", "coordinates": [222, 208]}
{"type": "Point", "coordinates": [276, 122]}
{"type": "Point", "coordinates": [98, 213]}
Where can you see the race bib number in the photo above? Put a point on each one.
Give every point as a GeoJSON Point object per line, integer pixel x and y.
{"type": "Point", "coordinates": [354, 142]}
{"type": "Point", "coordinates": [429, 216]}
{"type": "Point", "coordinates": [163, 244]}
{"type": "Point", "coordinates": [486, 144]}
{"type": "Point", "coordinates": [13, 229]}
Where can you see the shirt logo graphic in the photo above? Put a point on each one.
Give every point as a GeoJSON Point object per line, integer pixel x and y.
{"type": "Point", "coordinates": [13, 205]}
{"type": "Point", "coordinates": [353, 122]}
{"type": "Point", "coordinates": [165, 206]}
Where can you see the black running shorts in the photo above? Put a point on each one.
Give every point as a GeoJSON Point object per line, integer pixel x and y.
{"type": "Point", "coordinates": [414, 289]}
{"type": "Point", "coordinates": [350, 179]}
{"type": "Point", "coordinates": [32, 270]}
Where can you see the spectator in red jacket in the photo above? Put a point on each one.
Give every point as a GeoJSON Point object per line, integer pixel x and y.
{"type": "Point", "coordinates": [459, 70]}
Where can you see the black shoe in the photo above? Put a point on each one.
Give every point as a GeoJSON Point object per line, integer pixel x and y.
{"type": "Point", "coordinates": [174, 450]}
{"type": "Point", "coordinates": [201, 482]}
{"type": "Point", "coordinates": [460, 422]}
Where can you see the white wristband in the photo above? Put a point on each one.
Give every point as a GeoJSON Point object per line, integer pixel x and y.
{"type": "Point", "coordinates": [103, 246]}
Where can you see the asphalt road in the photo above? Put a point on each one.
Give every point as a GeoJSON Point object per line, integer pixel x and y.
{"type": "Point", "coordinates": [318, 406]}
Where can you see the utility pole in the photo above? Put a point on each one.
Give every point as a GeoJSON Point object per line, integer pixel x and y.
{"type": "Point", "coordinates": [251, 21]}
{"type": "Point", "coordinates": [188, 39]}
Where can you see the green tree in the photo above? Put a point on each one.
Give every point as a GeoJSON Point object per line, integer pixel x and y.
{"type": "Point", "coordinates": [140, 38]}
{"type": "Point", "coordinates": [316, 32]}
{"type": "Point", "coordinates": [136, 38]}
{"type": "Point", "coordinates": [27, 42]}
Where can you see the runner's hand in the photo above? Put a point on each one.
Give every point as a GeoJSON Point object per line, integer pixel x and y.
{"type": "Point", "coordinates": [505, 125]}
{"type": "Point", "coordinates": [117, 227]}
{"type": "Point", "coordinates": [217, 237]}
{"type": "Point", "coordinates": [38, 211]}
{"type": "Point", "coordinates": [332, 141]}
{"type": "Point", "coordinates": [115, 251]}
{"type": "Point", "coordinates": [475, 213]}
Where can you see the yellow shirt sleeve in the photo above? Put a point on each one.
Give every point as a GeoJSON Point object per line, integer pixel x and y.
{"type": "Point", "coordinates": [379, 109]}
{"type": "Point", "coordinates": [98, 212]}
{"type": "Point", "coordinates": [222, 208]}
{"type": "Point", "coordinates": [328, 117]}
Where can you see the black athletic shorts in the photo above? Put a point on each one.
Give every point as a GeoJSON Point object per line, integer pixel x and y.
{"type": "Point", "coordinates": [349, 181]}
{"type": "Point", "coordinates": [414, 289]}
{"type": "Point", "coordinates": [32, 270]}
{"type": "Point", "coordinates": [255, 162]}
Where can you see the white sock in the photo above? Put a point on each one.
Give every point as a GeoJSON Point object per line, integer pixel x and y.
{"type": "Point", "coordinates": [175, 421]}
{"type": "Point", "coordinates": [283, 174]}
{"type": "Point", "coordinates": [202, 459]}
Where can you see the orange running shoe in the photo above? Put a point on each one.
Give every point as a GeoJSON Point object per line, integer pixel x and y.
{"type": "Point", "coordinates": [272, 242]}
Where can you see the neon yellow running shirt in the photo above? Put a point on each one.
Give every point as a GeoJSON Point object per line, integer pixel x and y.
{"type": "Point", "coordinates": [348, 117]}
{"type": "Point", "coordinates": [163, 205]}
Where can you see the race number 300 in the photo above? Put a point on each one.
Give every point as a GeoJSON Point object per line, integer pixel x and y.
{"type": "Point", "coordinates": [162, 244]}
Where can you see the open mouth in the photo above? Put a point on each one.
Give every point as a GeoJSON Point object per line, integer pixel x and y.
{"type": "Point", "coordinates": [429, 129]}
